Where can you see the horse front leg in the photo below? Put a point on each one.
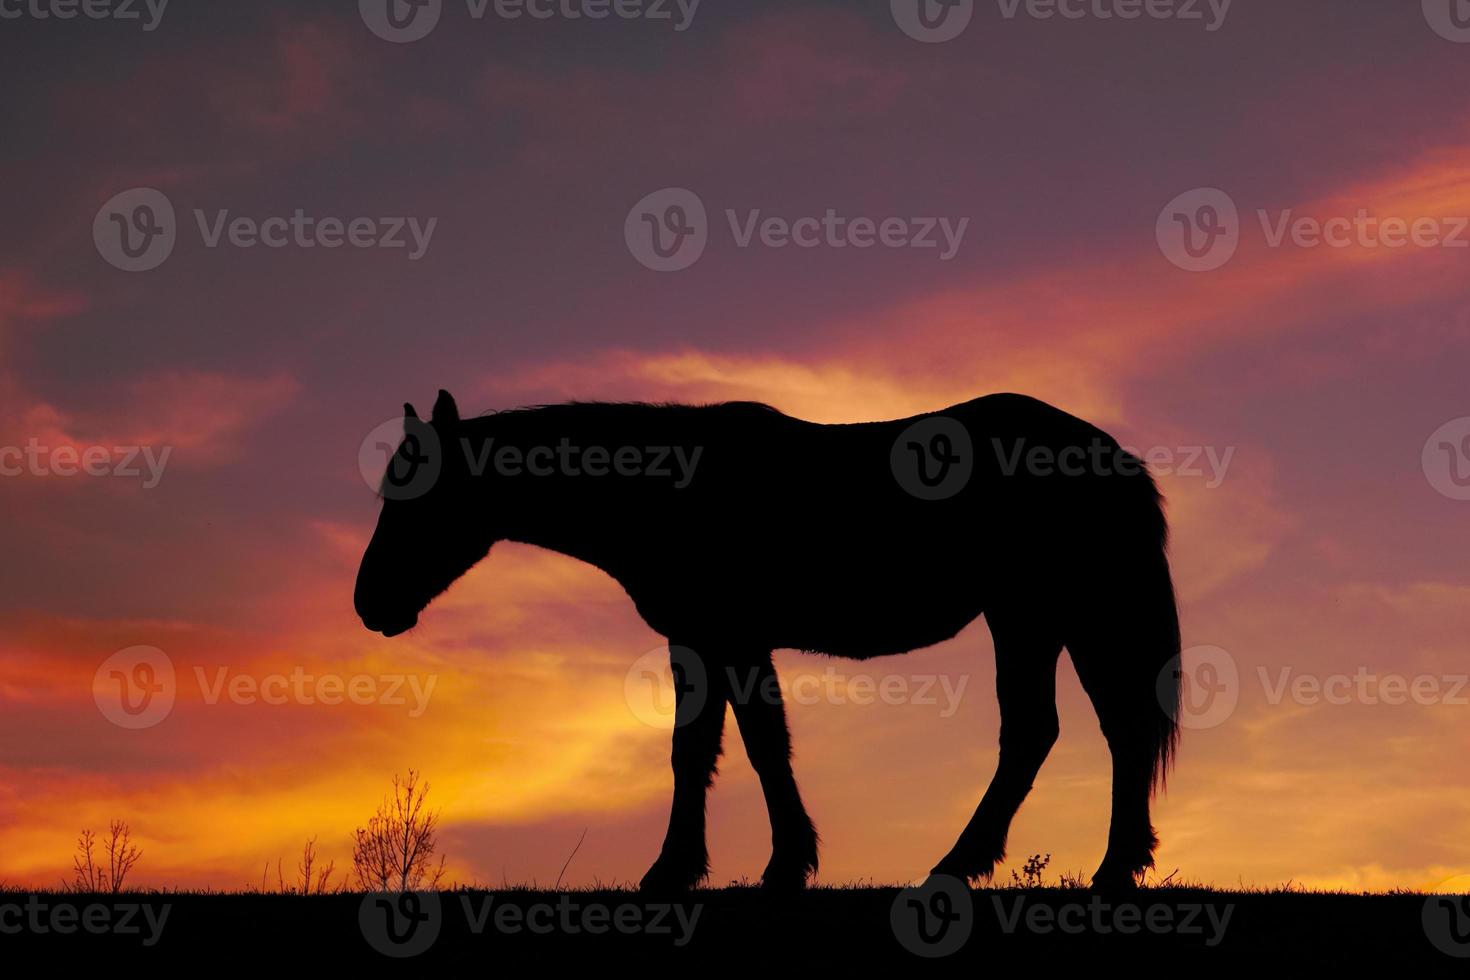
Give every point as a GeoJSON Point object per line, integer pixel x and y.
{"type": "Point", "coordinates": [700, 695]}
{"type": "Point", "coordinates": [761, 715]}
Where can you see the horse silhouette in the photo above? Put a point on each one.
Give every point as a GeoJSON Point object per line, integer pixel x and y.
{"type": "Point", "coordinates": [759, 531]}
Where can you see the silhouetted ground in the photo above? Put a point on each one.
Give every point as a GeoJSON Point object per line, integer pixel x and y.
{"type": "Point", "coordinates": [738, 928]}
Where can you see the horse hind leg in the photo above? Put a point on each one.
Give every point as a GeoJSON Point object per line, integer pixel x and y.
{"type": "Point", "coordinates": [1131, 837]}
{"type": "Point", "coordinates": [1130, 711]}
{"type": "Point", "coordinates": [1026, 653]}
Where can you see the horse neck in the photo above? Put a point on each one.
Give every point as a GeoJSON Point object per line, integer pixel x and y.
{"type": "Point", "coordinates": [569, 513]}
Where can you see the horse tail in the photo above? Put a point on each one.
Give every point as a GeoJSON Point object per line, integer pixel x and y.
{"type": "Point", "coordinates": [1159, 650]}
{"type": "Point", "coordinates": [1127, 648]}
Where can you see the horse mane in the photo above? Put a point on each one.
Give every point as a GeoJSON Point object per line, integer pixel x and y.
{"type": "Point", "coordinates": [616, 409]}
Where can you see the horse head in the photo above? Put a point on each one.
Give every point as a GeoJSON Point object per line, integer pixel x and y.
{"type": "Point", "coordinates": [429, 533]}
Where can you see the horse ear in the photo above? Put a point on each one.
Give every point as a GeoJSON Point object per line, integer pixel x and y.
{"type": "Point", "coordinates": [444, 409]}
{"type": "Point", "coordinates": [408, 411]}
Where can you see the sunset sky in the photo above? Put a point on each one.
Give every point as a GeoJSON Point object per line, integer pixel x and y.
{"type": "Point", "coordinates": [1324, 541]}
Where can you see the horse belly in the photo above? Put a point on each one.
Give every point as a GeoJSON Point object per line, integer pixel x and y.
{"type": "Point", "coordinates": [856, 619]}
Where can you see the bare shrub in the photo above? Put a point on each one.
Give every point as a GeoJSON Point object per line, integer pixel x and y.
{"type": "Point", "coordinates": [312, 876]}
{"type": "Point", "coordinates": [304, 869]}
{"type": "Point", "coordinates": [89, 874]}
{"type": "Point", "coordinates": [395, 851]}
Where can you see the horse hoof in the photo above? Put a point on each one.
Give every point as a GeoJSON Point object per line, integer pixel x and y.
{"type": "Point", "coordinates": [666, 879]}
{"type": "Point", "coordinates": [785, 878]}
{"type": "Point", "coordinates": [1107, 882]}
{"type": "Point", "coordinates": [963, 870]}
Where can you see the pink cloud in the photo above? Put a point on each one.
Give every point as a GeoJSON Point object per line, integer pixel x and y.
{"type": "Point", "coordinates": [204, 413]}
{"type": "Point", "coordinates": [776, 72]}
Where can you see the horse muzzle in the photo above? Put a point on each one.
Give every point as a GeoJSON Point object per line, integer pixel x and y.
{"type": "Point", "coordinates": [391, 628]}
